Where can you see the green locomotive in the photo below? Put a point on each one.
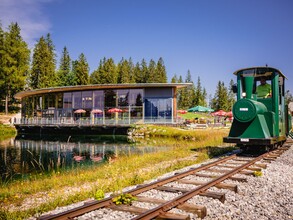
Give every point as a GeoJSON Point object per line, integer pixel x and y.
{"type": "Point", "coordinates": [261, 118]}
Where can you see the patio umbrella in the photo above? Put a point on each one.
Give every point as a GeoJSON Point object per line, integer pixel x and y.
{"type": "Point", "coordinates": [200, 109]}
{"type": "Point", "coordinates": [219, 113]}
{"type": "Point", "coordinates": [97, 111]}
{"type": "Point", "coordinates": [114, 110]}
{"type": "Point", "coordinates": [182, 111]}
{"type": "Point", "coordinates": [229, 114]}
{"type": "Point", "coordinates": [79, 111]}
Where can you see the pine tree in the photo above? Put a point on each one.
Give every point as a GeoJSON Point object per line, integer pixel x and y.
{"type": "Point", "coordinates": [95, 76]}
{"type": "Point", "coordinates": [198, 93]}
{"type": "Point", "coordinates": [108, 73]}
{"type": "Point", "coordinates": [174, 79]}
{"type": "Point", "coordinates": [138, 77]}
{"type": "Point", "coordinates": [204, 97]}
{"type": "Point", "coordinates": [231, 96]}
{"type": "Point", "coordinates": [43, 65]}
{"type": "Point", "coordinates": [81, 68]}
{"type": "Point", "coordinates": [220, 100]}
{"type": "Point", "coordinates": [64, 69]}
{"type": "Point", "coordinates": [161, 72]}
{"type": "Point", "coordinates": [123, 70]}
{"type": "Point", "coordinates": [131, 71]}
{"type": "Point", "coordinates": [144, 71]}
{"type": "Point", "coordinates": [72, 77]}
{"type": "Point", "coordinates": [188, 78]}
{"type": "Point", "coordinates": [180, 94]}
{"type": "Point", "coordinates": [2, 53]}
{"type": "Point", "coordinates": [190, 99]}
{"type": "Point", "coordinates": [151, 76]}
{"type": "Point", "coordinates": [187, 94]}
{"type": "Point", "coordinates": [14, 60]}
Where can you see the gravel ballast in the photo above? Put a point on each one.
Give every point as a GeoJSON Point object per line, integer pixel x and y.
{"type": "Point", "coordinates": [269, 196]}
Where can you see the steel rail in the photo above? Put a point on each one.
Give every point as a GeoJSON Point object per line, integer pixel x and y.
{"type": "Point", "coordinates": [163, 208]}
{"type": "Point", "coordinates": [91, 206]}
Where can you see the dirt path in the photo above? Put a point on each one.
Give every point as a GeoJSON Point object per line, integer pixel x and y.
{"type": "Point", "coordinates": [6, 119]}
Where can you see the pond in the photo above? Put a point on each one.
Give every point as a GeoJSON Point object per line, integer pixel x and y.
{"type": "Point", "coordinates": [23, 156]}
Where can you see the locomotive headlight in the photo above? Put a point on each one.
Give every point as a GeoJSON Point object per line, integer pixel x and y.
{"type": "Point", "coordinates": [244, 94]}
{"type": "Point", "coordinates": [246, 110]}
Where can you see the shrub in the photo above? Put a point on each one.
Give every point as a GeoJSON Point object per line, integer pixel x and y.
{"type": "Point", "coordinates": [124, 199]}
{"type": "Point", "coordinates": [257, 173]}
{"type": "Point", "coordinates": [99, 195]}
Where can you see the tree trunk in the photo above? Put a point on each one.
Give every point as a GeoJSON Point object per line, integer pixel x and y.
{"type": "Point", "coordinates": [6, 104]}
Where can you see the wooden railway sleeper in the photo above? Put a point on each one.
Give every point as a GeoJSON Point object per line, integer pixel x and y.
{"type": "Point", "coordinates": [216, 171]}
{"type": "Point", "coordinates": [261, 165]}
{"type": "Point", "coordinates": [215, 195]}
{"type": "Point", "coordinates": [245, 160]}
{"type": "Point", "coordinates": [247, 172]}
{"type": "Point", "coordinates": [232, 187]}
{"type": "Point", "coordinates": [225, 166]}
{"type": "Point", "coordinates": [138, 210]}
{"type": "Point", "coordinates": [253, 168]}
{"type": "Point", "coordinates": [199, 210]}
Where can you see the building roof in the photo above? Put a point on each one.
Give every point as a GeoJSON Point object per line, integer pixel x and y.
{"type": "Point", "coordinates": [261, 70]}
{"type": "Point", "coordinates": [26, 93]}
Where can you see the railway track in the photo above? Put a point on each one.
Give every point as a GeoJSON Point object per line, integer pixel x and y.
{"type": "Point", "coordinates": [217, 172]}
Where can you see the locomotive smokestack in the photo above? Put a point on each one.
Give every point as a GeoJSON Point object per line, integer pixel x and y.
{"type": "Point", "coordinates": [248, 86]}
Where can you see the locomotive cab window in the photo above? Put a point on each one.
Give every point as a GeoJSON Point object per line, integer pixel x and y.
{"type": "Point", "coordinates": [263, 87]}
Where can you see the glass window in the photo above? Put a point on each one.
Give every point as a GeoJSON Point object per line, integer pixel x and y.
{"type": "Point", "coordinates": [67, 113]}
{"type": "Point", "coordinates": [110, 98]}
{"type": "Point", "coordinates": [98, 99]}
{"type": "Point", "coordinates": [123, 97]}
{"type": "Point", "coordinates": [158, 109]}
{"type": "Point", "coordinates": [77, 101]}
{"type": "Point", "coordinates": [136, 114]}
{"type": "Point", "coordinates": [67, 100]}
{"type": "Point", "coordinates": [151, 108]}
{"type": "Point", "coordinates": [38, 105]}
{"type": "Point", "coordinates": [59, 98]}
{"type": "Point", "coordinates": [87, 99]}
{"type": "Point", "coordinates": [49, 101]}
{"type": "Point", "coordinates": [135, 97]}
{"type": "Point", "coordinates": [37, 100]}
{"type": "Point", "coordinates": [27, 106]}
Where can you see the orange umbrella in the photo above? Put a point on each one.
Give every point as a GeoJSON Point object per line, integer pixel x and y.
{"type": "Point", "coordinates": [114, 110]}
{"type": "Point", "coordinates": [219, 113]}
{"type": "Point", "coordinates": [97, 111]}
{"type": "Point", "coordinates": [182, 111]}
{"type": "Point", "coordinates": [229, 114]}
{"type": "Point", "coordinates": [79, 111]}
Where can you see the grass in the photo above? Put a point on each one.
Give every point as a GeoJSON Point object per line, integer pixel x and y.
{"type": "Point", "coordinates": [92, 182]}
{"type": "Point", "coordinates": [180, 134]}
{"type": "Point", "coordinates": [6, 131]}
{"type": "Point", "coordinates": [192, 115]}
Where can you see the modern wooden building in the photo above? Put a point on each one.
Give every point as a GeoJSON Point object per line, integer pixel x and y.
{"type": "Point", "coordinates": [110, 105]}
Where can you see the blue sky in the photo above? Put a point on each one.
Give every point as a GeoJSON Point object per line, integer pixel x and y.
{"type": "Point", "coordinates": [211, 38]}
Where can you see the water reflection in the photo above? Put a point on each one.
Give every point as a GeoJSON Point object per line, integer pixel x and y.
{"type": "Point", "coordinates": [21, 156]}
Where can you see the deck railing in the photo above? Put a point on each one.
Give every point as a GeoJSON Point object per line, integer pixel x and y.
{"type": "Point", "coordinates": [86, 121]}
